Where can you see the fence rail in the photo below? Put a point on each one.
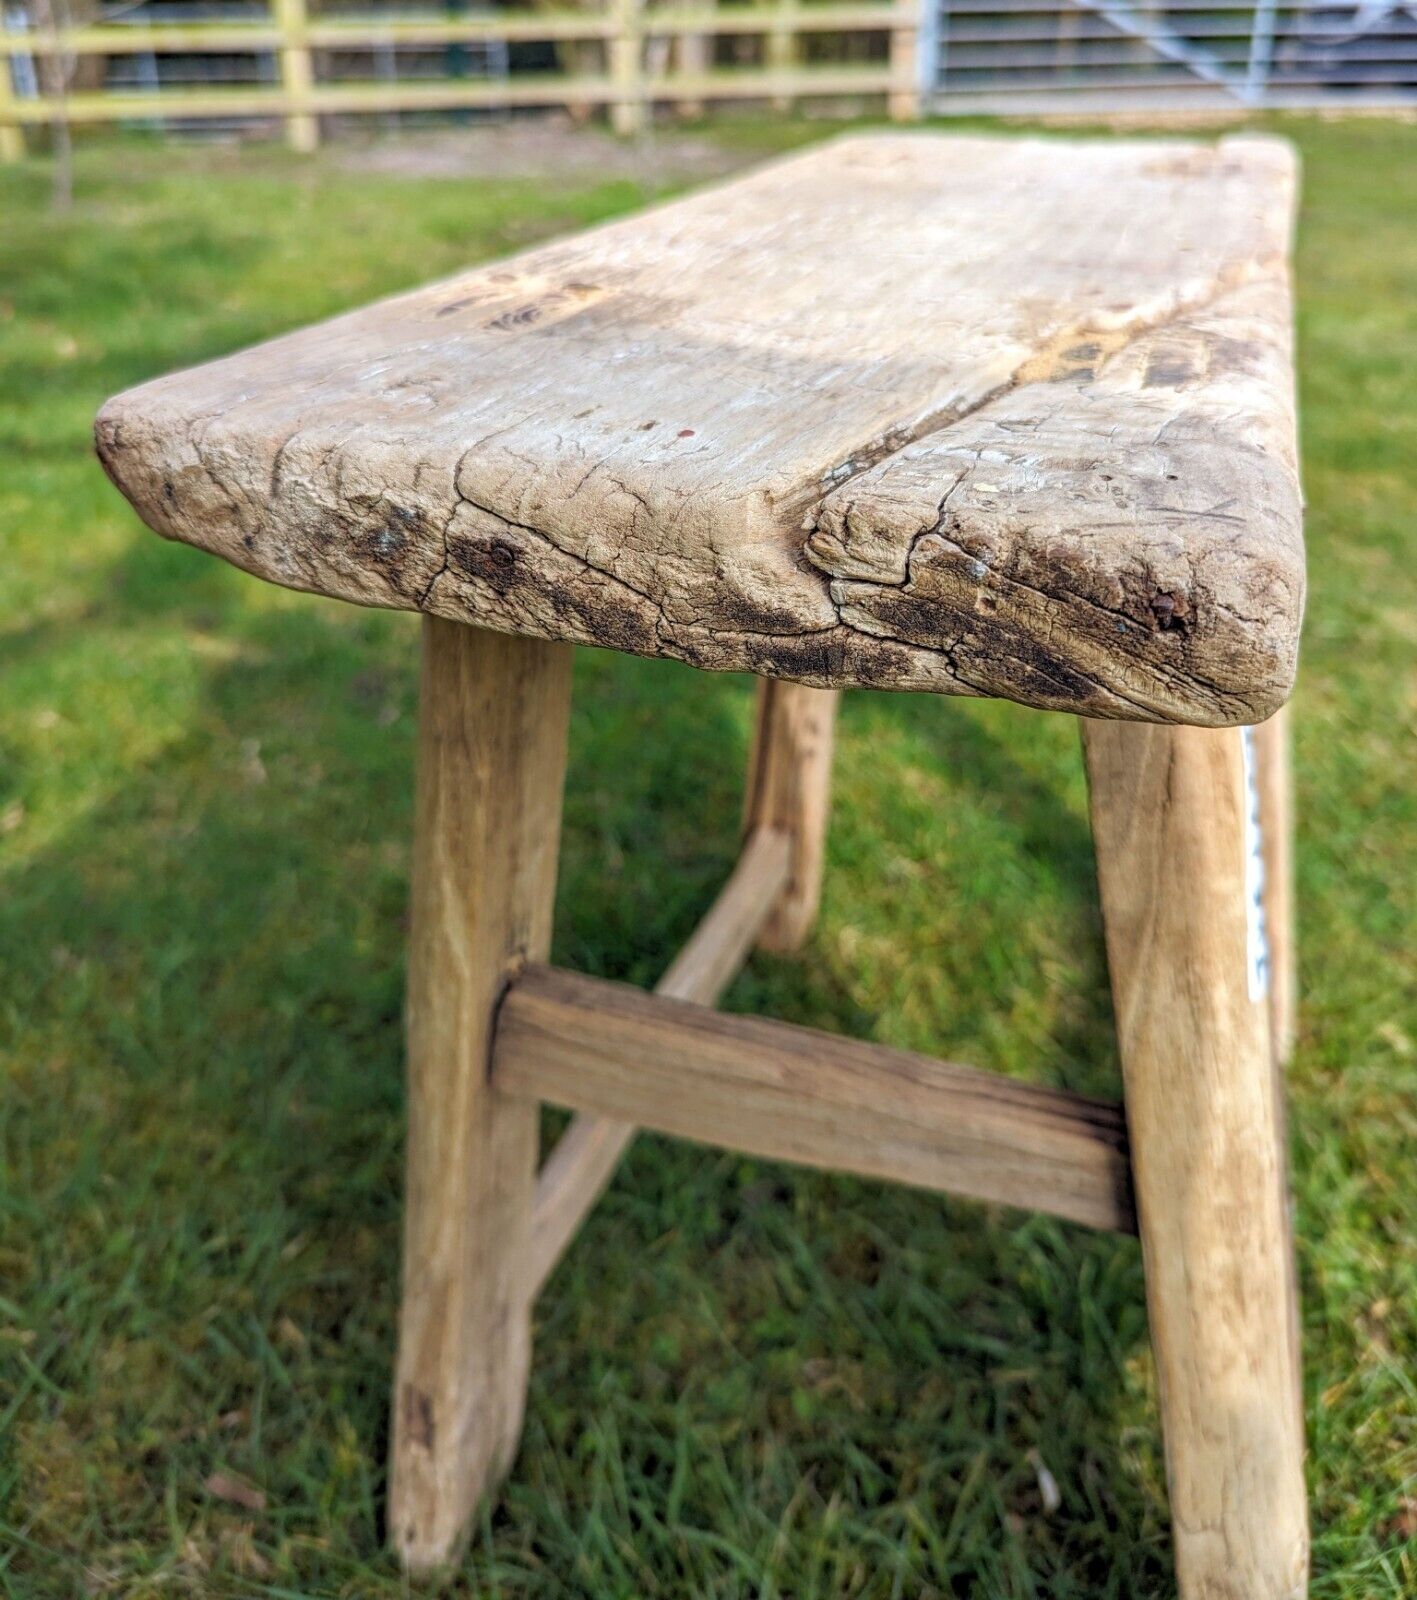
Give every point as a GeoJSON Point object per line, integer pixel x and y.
{"type": "Point", "coordinates": [297, 63]}
{"type": "Point", "coordinates": [626, 57]}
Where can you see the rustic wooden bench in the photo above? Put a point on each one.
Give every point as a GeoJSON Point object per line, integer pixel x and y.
{"type": "Point", "coordinates": [976, 416]}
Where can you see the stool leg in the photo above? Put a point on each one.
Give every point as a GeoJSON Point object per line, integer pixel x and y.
{"type": "Point", "coordinates": [1169, 815]}
{"type": "Point", "coordinates": [789, 787]}
{"type": "Point", "coordinates": [1273, 764]}
{"type": "Point", "coordinates": [1270, 755]}
{"type": "Point", "coordinates": [491, 764]}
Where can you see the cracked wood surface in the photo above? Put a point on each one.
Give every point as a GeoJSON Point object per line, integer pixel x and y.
{"type": "Point", "coordinates": [986, 416]}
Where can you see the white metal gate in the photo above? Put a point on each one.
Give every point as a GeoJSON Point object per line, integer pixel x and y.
{"type": "Point", "coordinates": [1106, 56]}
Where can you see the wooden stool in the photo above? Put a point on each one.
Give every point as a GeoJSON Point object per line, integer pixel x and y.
{"type": "Point", "coordinates": [967, 415]}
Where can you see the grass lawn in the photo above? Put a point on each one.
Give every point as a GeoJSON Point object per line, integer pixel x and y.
{"type": "Point", "coordinates": [749, 1380]}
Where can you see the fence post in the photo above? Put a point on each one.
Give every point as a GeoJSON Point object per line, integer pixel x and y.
{"type": "Point", "coordinates": [782, 49]}
{"type": "Point", "coordinates": [934, 52]}
{"type": "Point", "coordinates": [903, 100]}
{"type": "Point", "coordinates": [12, 135]}
{"type": "Point", "coordinates": [1261, 53]}
{"type": "Point", "coordinates": [693, 57]}
{"type": "Point", "coordinates": [627, 71]}
{"type": "Point", "coordinates": [302, 128]}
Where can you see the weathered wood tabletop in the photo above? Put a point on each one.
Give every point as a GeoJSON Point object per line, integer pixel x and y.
{"type": "Point", "coordinates": [974, 415]}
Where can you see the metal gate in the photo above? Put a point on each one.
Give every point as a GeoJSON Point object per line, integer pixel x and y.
{"type": "Point", "coordinates": [1109, 56]}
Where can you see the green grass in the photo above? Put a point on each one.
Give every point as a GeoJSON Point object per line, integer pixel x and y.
{"type": "Point", "coordinates": [749, 1380]}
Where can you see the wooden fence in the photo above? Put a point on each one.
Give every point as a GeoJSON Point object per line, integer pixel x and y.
{"type": "Point", "coordinates": [630, 58]}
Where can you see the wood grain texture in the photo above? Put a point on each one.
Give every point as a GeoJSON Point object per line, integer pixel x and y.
{"type": "Point", "coordinates": [793, 1094]}
{"type": "Point", "coordinates": [1168, 811]}
{"type": "Point", "coordinates": [980, 416]}
{"type": "Point", "coordinates": [492, 745]}
{"type": "Point", "coordinates": [575, 1174]}
{"type": "Point", "coordinates": [789, 791]}
{"type": "Point", "coordinates": [1108, 499]}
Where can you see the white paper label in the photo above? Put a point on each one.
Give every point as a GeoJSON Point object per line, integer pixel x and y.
{"type": "Point", "coordinates": [1256, 934]}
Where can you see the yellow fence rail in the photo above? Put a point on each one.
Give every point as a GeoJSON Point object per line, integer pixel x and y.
{"type": "Point", "coordinates": [632, 59]}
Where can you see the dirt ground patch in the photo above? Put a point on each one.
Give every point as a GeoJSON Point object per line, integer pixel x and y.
{"type": "Point", "coordinates": [542, 148]}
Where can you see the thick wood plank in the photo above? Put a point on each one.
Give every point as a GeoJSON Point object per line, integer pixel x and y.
{"type": "Point", "coordinates": [794, 1094]}
{"type": "Point", "coordinates": [973, 415]}
{"type": "Point", "coordinates": [1169, 809]}
{"type": "Point", "coordinates": [789, 789]}
{"type": "Point", "coordinates": [576, 1172]}
{"type": "Point", "coordinates": [492, 746]}
{"type": "Point", "coordinates": [1074, 505]}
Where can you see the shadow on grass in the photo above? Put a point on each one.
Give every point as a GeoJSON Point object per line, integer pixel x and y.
{"type": "Point", "coordinates": [746, 1375]}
